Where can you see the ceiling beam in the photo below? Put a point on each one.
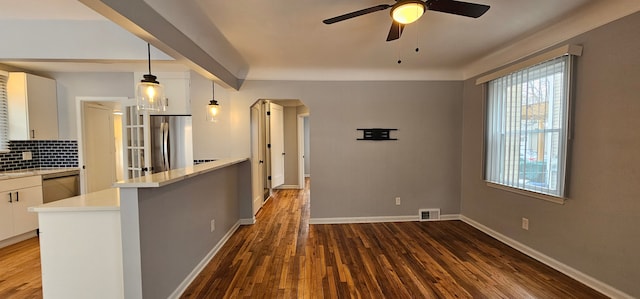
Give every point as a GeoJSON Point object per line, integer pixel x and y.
{"type": "Point", "coordinates": [137, 17]}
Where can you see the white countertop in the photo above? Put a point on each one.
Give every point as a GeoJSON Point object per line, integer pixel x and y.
{"type": "Point", "coordinates": [168, 177]}
{"type": "Point", "coordinates": [12, 174]}
{"type": "Point", "coordinates": [109, 199]}
{"type": "Point", "coordinates": [105, 200]}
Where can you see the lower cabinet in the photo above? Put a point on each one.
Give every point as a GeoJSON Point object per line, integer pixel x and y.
{"type": "Point", "coordinates": [6, 217]}
{"type": "Point", "coordinates": [16, 196]}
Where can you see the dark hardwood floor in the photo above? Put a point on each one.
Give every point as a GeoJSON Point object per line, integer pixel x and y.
{"type": "Point", "coordinates": [282, 256]}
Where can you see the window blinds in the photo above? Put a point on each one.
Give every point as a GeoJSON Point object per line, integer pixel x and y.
{"type": "Point", "coordinates": [527, 120]}
{"type": "Point", "coordinates": [4, 113]}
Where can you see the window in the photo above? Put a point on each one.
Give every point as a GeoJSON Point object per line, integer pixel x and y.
{"type": "Point", "coordinates": [527, 128]}
{"type": "Point", "coordinates": [4, 113]}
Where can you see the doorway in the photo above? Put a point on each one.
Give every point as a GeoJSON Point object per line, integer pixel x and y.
{"type": "Point", "coordinates": [100, 142]}
{"type": "Point", "coordinates": [277, 147]}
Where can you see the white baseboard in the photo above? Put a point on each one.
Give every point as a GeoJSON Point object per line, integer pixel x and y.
{"type": "Point", "coordinates": [450, 217]}
{"type": "Point", "coordinates": [248, 221]}
{"type": "Point", "coordinates": [282, 187]}
{"type": "Point", "coordinates": [194, 273]}
{"type": "Point", "coordinates": [549, 261]}
{"type": "Point", "coordinates": [344, 220]}
{"type": "Point", "coordinates": [17, 239]}
{"type": "Point", "coordinates": [376, 219]}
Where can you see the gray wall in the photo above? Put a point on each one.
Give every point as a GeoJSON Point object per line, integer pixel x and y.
{"type": "Point", "coordinates": [596, 231]}
{"type": "Point", "coordinates": [210, 140]}
{"type": "Point", "coordinates": [175, 221]}
{"type": "Point", "coordinates": [72, 85]}
{"type": "Point", "coordinates": [361, 178]}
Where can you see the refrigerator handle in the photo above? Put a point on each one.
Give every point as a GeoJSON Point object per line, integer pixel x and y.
{"type": "Point", "coordinates": [165, 144]}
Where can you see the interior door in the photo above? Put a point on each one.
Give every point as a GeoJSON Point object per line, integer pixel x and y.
{"type": "Point", "coordinates": [301, 156]}
{"type": "Point", "coordinates": [263, 127]}
{"type": "Point", "coordinates": [276, 140]}
{"type": "Point", "coordinates": [99, 148]}
{"type": "Point", "coordinates": [257, 161]}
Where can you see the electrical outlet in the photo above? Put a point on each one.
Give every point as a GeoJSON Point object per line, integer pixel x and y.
{"type": "Point", "coordinates": [397, 201]}
{"type": "Point", "coordinates": [26, 156]}
{"type": "Point", "coordinates": [213, 225]}
{"type": "Point", "coordinates": [525, 223]}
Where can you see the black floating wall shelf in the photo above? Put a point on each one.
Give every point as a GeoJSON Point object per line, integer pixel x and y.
{"type": "Point", "coordinates": [377, 134]}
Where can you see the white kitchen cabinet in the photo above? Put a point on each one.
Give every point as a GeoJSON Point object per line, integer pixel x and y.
{"type": "Point", "coordinates": [176, 92]}
{"type": "Point", "coordinates": [81, 246]}
{"type": "Point", "coordinates": [23, 220]}
{"type": "Point", "coordinates": [6, 216]}
{"type": "Point", "coordinates": [16, 196]}
{"type": "Point", "coordinates": [33, 107]}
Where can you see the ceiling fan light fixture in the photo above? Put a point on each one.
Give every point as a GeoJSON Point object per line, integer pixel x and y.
{"type": "Point", "coordinates": [407, 12]}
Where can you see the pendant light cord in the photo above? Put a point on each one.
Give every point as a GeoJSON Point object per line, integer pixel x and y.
{"type": "Point", "coordinates": [213, 94]}
{"type": "Point", "coordinates": [149, 57]}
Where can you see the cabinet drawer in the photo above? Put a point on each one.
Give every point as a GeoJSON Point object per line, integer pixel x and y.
{"type": "Point", "coordinates": [19, 183]}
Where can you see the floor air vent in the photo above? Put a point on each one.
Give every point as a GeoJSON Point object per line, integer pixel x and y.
{"type": "Point", "coordinates": [429, 214]}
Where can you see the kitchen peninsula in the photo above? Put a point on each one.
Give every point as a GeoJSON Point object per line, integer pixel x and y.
{"type": "Point", "coordinates": [170, 225]}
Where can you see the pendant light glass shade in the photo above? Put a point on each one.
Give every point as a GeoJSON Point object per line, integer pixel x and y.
{"type": "Point", "coordinates": [150, 94]}
{"type": "Point", "coordinates": [213, 108]}
{"type": "Point", "coordinates": [407, 12]}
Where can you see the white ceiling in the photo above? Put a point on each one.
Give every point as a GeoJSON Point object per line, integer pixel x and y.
{"type": "Point", "coordinates": [46, 10]}
{"type": "Point", "coordinates": [287, 39]}
{"type": "Point", "coordinates": [290, 34]}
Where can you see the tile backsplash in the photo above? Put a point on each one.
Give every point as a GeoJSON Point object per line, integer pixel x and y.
{"type": "Point", "coordinates": [45, 154]}
{"type": "Point", "coordinates": [196, 162]}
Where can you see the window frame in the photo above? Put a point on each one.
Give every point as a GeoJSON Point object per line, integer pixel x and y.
{"type": "Point", "coordinates": [571, 51]}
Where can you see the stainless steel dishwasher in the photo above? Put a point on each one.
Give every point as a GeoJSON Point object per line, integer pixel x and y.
{"type": "Point", "coordinates": [61, 185]}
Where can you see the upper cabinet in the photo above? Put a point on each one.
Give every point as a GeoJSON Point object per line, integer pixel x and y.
{"type": "Point", "coordinates": [176, 92]}
{"type": "Point", "coordinates": [33, 107]}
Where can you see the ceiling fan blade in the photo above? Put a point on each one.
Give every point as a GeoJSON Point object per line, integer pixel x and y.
{"type": "Point", "coordinates": [356, 13]}
{"type": "Point", "coordinates": [395, 32]}
{"type": "Point", "coordinates": [466, 9]}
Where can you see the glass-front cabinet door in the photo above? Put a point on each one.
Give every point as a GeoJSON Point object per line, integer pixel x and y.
{"type": "Point", "coordinates": [136, 135]}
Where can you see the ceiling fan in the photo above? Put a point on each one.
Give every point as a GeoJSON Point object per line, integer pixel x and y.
{"type": "Point", "coordinates": [404, 12]}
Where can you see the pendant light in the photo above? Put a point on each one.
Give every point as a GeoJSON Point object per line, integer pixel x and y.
{"type": "Point", "coordinates": [150, 94]}
{"type": "Point", "coordinates": [213, 108]}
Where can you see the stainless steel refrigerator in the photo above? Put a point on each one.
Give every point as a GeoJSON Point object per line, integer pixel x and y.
{"type": "Point", "coordinates": [171, 142]}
